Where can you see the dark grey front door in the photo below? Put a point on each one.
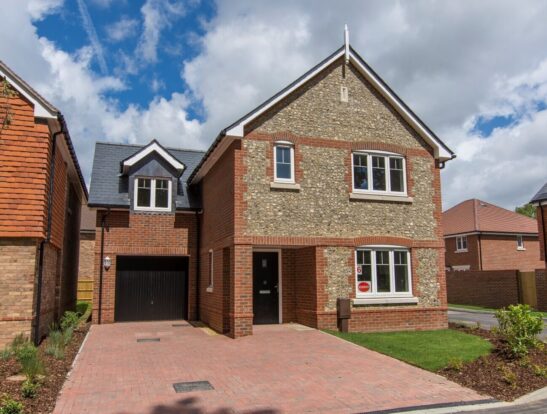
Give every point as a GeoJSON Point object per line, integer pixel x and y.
{"type": "Point", "coordinates": [265, 287]}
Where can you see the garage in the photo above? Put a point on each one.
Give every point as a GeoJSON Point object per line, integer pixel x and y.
{"type": "Point", "coordinates": [151, 288]}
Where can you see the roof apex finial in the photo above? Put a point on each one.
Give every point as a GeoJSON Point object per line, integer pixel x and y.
{"type": "Point", "coordinates": [346, 42]}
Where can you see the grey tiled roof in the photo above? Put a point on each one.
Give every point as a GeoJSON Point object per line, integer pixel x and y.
{"type": "Point", "coordinates": [541, 194]}
{"type": "Point", "coordinates": [107, 187]}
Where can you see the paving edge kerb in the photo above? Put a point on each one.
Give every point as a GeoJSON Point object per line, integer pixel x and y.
{"type": "Point", "coordinates": [460, 407]}
{"type": "Point", "coordinates": [483, 312]}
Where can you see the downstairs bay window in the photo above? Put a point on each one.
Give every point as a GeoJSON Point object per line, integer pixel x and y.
{"type": "Point", "coordinates": [383, 275]}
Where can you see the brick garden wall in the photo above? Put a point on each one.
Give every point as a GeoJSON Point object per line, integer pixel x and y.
{"type": "Point", "coordinates": [492, 289]}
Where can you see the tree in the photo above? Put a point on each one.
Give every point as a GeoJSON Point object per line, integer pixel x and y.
{"type": "Point", "coordinates": [526, 210]}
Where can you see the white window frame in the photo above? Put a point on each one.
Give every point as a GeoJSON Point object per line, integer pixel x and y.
{"type": "Point", "coordinates": [520, 242]}
{"type": "Point", "coordinates": [290, 146]}
{"type": "Point", "coordinates": [152, 206]}
{"type": "Point", "coordinates": [373, 293]}
{"type": "Point", "coordinates": [211, 271]}
{"type": "Point", "coordinates": [387, 156]}
{"type": "Point", "coordinates": [459, 244]}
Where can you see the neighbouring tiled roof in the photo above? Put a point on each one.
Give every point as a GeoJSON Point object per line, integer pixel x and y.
{"type": "Point", "coordinates": [105, 177]}
{"type": "Point", "coordinates": [479, 216]}
{"type": "Point", "coordinates": [541, 195]}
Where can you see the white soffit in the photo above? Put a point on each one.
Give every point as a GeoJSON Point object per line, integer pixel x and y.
{"type": "Point", "coordinates": [153, 147]}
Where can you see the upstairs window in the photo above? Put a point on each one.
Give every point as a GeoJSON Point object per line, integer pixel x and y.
{"type": "Point", "coordinates": [152, 194]}
{"type": "Point", "coordinates": [379, 173]}
{"type": "Point", "coordinates": [461, 243]}
{"type": "Point", "coordinates": [520, 243]}
{"type": "Point", "coordinates": [383, 271]}
{"type": "Point", "coordinates": [284, 162]}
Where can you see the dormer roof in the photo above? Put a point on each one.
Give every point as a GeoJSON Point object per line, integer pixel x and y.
{"type": "Point", "coordinates": [153, 147]}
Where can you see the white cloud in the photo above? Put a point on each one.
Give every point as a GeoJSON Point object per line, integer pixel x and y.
{"type": "Point", "coordinates": [157, 15]}
{"type": "Point", "coordinates": [122, 29]}
{"type": "Point", "coordinates": [104, 3]}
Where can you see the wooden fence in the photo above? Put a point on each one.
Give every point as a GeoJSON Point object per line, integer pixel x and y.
{"type": "Point", "coordinates": [85, 290]}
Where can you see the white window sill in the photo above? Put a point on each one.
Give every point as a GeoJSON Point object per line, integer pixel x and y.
{"type": "Point", "coordinates": [209, 289]}
{"type": "Point", "coordinates": [461, 251]}
{"type": "Point", "coordinates": [381, 197]}
{"type": "Point", "coordinates": [385, 300]}
{"type": "Point", "coordinates": [521, 249]}
{"type": "Point", "coordinates": [285, 186]}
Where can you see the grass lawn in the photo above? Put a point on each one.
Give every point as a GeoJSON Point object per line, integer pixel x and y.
{"type": "Point", "coordinates": [431, 350]}
{"type": "Point", "coordinates": [480, 308]}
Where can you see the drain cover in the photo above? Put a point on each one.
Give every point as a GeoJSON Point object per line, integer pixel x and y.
{"type": "Point", "coordinates": [148, 340]}
{"type": "Point", "coordinates": [192, 386]}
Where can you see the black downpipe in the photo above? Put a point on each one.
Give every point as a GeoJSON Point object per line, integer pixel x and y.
{"type": "Point", "coordinates": [48, 233]}
{"type": "Point", "coordinates": [103, 225]}
{"type": "Point", "coordinates": [544, 230]}
{"type": "Point", "coordinates": [198, 267]}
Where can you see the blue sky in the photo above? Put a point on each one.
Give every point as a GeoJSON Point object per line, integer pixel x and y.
{"type": "Point", "coordinates": [178, 42]}
{"type": "Point", "coordinates": [181, 70]}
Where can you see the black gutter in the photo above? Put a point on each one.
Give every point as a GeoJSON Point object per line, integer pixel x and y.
{"type": "Point", "coordinates": [40, 275]}
{"type": "Point", "coordinates": [103, 223]}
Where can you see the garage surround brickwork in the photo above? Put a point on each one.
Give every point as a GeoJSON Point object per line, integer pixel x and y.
{"type": "Point", "coordinates": [142, 234]}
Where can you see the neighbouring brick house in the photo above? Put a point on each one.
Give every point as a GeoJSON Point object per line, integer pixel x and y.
{"type": "Point", "coordinates": [41, 190]}
{"type": "Point", "coordinates": [330, 189]}
{"type": "Point", "coordinates": [481, 236]}
{"type": "Point", "coordinates": [540, 201]}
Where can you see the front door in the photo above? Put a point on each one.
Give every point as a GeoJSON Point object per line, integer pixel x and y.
{"type": "Point", "coordinates": [265, 287]}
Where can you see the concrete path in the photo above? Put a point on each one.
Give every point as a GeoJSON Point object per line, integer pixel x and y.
{"type": "Point", "coordinates": [280, 369]}
{"type": "Point", "coordinates": [485, 319]}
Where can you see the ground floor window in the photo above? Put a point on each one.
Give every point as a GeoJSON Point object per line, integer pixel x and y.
{"type": "Point", "coordinates": [382, 271]}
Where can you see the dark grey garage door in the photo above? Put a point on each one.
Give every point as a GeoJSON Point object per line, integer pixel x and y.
{"type": "Point", "coordinates": [151, 288]}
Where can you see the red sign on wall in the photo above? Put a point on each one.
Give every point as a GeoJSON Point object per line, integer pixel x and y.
{"type": "Point", "coordinates": [363, 287]}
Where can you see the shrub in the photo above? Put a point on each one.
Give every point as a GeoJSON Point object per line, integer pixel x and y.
{"type": "Point", "coordinates": [6, 353]}
{"type": "Point", "coordinates": [509, 376]}
{"type": "Point", "coordinates": [29, 389]}
{"type": "Point", "coordinates": [69, 320]}
{"type": "Point", "coordinates": [19, 342]}
{"type": "Point", "coordinates": [519, 327]}
{"type": "Point", "coordinates": [10, 406]}
{"type": "Point", "coordinates": [540, 371]}
{"type": "Point", "coordinates": [455, 364]}
{"type": "Point", "coordinates": [56, 344]}
{"type": "Point", "coordinates": [31, 363]}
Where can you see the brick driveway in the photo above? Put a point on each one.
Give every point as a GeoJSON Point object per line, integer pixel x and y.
{"type": "Point", "coordinates": [282, 368]}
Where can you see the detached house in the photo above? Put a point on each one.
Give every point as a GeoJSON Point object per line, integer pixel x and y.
{"type": "Point", "coordinates": [41, 191]}
{"type": "Point", "coordinates": [481, 236]}
{"type": "Point", "coordinates": [330, 189]}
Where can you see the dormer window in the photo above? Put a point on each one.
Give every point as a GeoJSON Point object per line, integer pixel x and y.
{"type": "Point", "coordinates": [378, 172]}
{"type": "Point", "coordinates": [153, 194]}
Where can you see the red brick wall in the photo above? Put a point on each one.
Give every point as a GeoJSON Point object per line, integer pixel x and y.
{"type": "Point", "coordinates": [24, 159]}
{"type": "Point", "coordinates": [142, 234]}
{"type": "Point", "coordinates": [217, 227]}
{"type": "Point", "coordinates": [305, 286]}
{"type": "Point", "coordinates": [492, 289]}
{"type": "Point", "coordinates": [500, 252]}
{"type": "Point", "coordinates": [471, 257]}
